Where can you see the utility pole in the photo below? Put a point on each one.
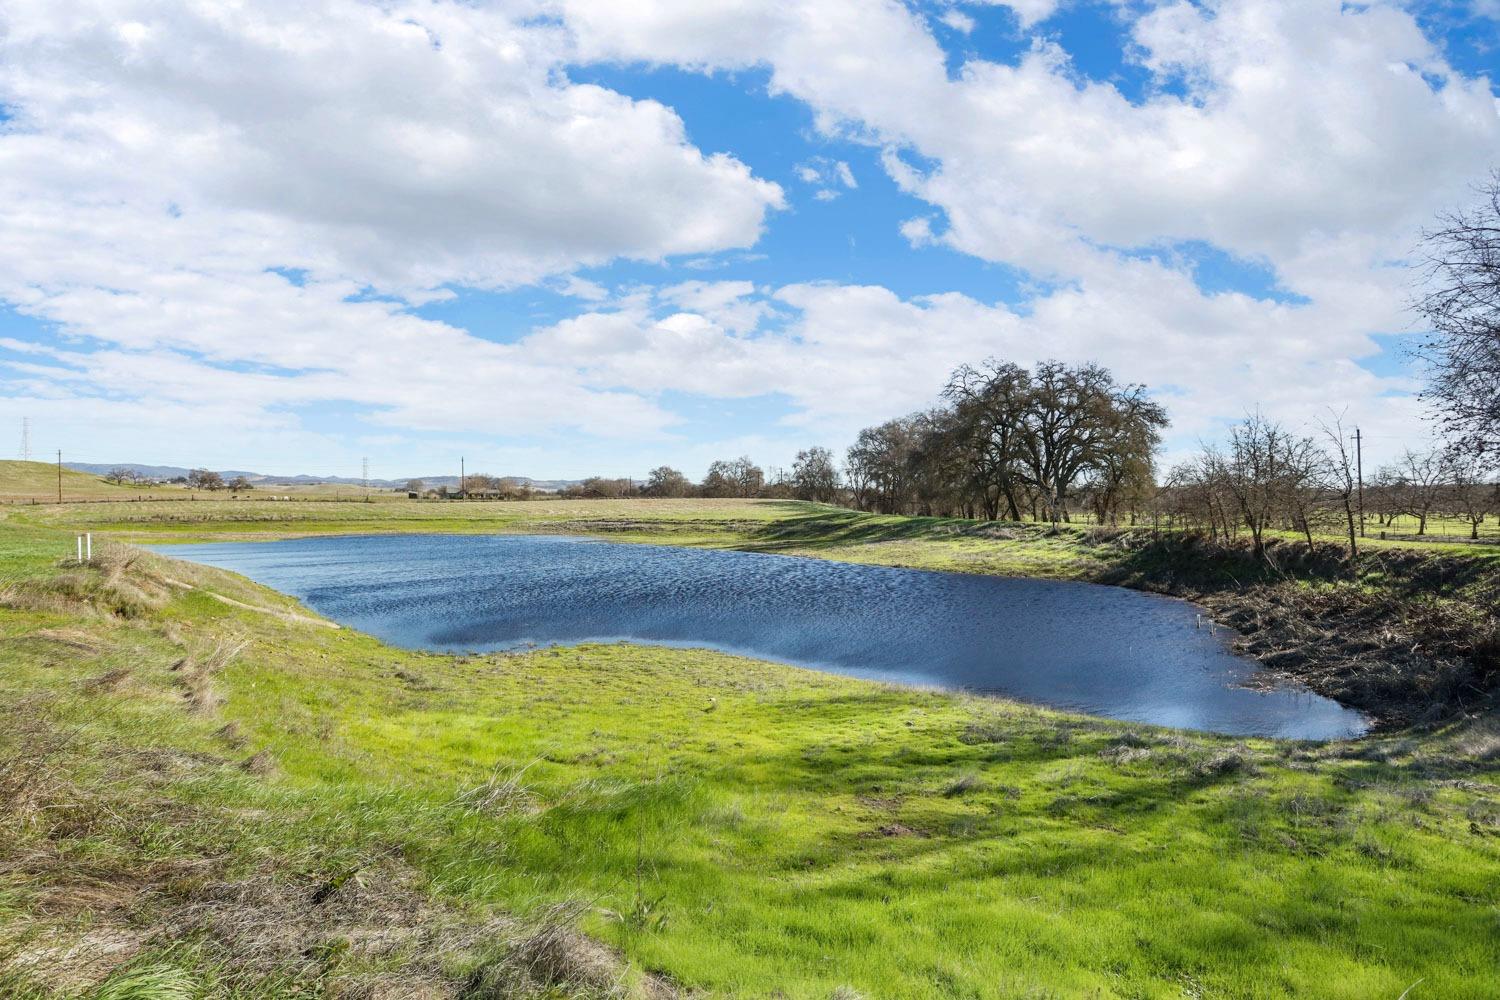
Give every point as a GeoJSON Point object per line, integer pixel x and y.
{"type": "Point", "coordinates": [1359, 466]}
{"type": "Point", "coordinates": [364, 473]}
{"type": "Point", "coordinates": [463, 479]}
{"type": "Point", "coordinates": [25, 439]}
{"type": "Point", "coordinates": [59, 475]}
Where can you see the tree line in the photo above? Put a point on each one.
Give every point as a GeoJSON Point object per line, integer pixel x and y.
{"type": "Point", "coordinates": [1054, 441]}
{"type": "Point", "coordinates": [1006, 442]}
{"type": "Point", "coordinates": [1266, 477]}
{"type": "Point", "coordinates": [196, 479]}
{"type": "Point", "coordinates": [1041, 443]}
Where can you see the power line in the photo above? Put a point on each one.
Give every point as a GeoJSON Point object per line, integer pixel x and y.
{"type": "Point", "coordinates": [1359, 465]}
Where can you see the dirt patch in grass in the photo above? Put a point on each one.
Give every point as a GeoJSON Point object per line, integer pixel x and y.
{"type": "Point", "coordinates": [895, 830]}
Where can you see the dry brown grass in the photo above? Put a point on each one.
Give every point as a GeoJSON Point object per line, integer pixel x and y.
{"type": "Point", "coordinates": [501, 792]}
{"type": "Point", "coordinates": [1405, 660]}
{"type": "Point", "coordinates": [196, 671]}
{"type": "Point", "coordinates": [548, 957]}
{"type": "Point", "coordinates": [110, 680]}
{"type": "Point", "coordinates": [260, 763]}
{"type": "Point", "coordinates": [229, 734]}
{"type": "Point", "coordinates": [119, 582]}
{"type": "Point", "coordinates": [31, 764]}
{"type": "Point", "coordinates": [368, 930]}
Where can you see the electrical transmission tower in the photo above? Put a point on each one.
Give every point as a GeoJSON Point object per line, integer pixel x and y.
{"type": "Point", "coordinates": [25, 439]}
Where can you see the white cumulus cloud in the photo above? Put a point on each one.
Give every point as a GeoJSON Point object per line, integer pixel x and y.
{"type": "Point", "coordinates": [226, 207]}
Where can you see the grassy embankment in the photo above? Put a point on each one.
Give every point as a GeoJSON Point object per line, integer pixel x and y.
{"type": "Point", "coordinates": [23, 482]}
{"type": "Point", "coordinates": [1411, 636]}
{"type": "Point", "coordinates": [267, 805]}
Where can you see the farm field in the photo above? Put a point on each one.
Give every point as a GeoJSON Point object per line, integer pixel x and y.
{"type": "Point", "coordinates": [819, 500]}
{"type": "Point", "coordinates": [774, 524]}
{"type": "Point", "coordinates": [36, 483]}
{"type": "Point", "coordinates": [741, 828]}
{"type": "Point", "coordinates": [27, 482]}
{"type": "Point", "coordinates": [643, 820]}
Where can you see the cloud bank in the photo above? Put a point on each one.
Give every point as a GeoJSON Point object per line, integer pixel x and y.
{"type": "Point", "coordinates": [226, 213]}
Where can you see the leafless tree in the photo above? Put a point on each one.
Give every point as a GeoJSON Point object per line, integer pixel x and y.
{"type": "Point", "coordinates": [1342, 480]}
{"type": "Point", "coordinates": [739, 478]}
{"type": "Point", "coordinates": [205, 479]}
{"type": "Point", "coordinates": [1461, 301]}
{"type": "Point", "coordinates": [859, 477]}
{"type": "Point", "coordinates": [120, 475]}
{"type": "Point", "coordinates": [1471, 495]}
{"type": "Point", "coordinates": [815, 476]}
{"type": "Point", "coordinates": [607, 488]}
{"type": "Point", "coordinates": [880, 462]}
{"type": "Point", "coordinates": [513, 488]}
{"type": "Point", "coordinates": [1269, 474]}
{"type": "Point", "coordinates": [665, 481]}
{"type": "Point", "coordinates": [1414, 484]}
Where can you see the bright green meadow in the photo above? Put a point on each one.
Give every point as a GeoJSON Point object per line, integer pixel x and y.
{"type": "Point", "coordinates": [205, 788]}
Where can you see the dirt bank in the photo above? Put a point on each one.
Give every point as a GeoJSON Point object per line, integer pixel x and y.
{"type": "Point", "coordinates": [1406, 636]}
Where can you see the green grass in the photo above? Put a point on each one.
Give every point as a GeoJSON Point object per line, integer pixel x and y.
{"type": "Point", "coordinates": [770, 525]}
{"type": "Point", "coordinates": [27, 481]}
{"type": "Point", "coordinates": [260, 517]}
{"type": "Point", "coordinates": [736, 827]}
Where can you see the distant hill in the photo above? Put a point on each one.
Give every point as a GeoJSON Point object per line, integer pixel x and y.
{"type": "Point", "coordinates": [148, 471]}
{"type": "Point", "coordinates": [302, 479]}
{"type": "Point", "coordinates": [28, 480]}
{"type": "Point", "coordinates": [553, 485]}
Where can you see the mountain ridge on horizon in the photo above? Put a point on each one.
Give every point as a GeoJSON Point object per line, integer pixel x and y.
{"type": "Point", "coordinates": [301, 479]}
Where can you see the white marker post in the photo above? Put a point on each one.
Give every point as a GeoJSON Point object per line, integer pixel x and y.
{"type": "Point", "coordinates": [79, 540]}
{"type": "Point", "coordinates": [88, 546]}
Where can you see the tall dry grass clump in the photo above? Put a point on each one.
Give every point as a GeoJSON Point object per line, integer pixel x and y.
{"type": "Point", "coordinates": [121, 581]}
{"type": "Point", "coordinates": [196, 672]}
{"type": "Point", "coordinates": [501, 792]}
{"type": "Point", "coordinates": [549, 957]}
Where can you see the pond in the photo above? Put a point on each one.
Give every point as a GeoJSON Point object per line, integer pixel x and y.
{"type": "Point", "coordinates": [1077, 646]}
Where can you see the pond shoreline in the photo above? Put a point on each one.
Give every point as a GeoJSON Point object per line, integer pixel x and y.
{"type": "Point", "coordinates": [1409, 636]}
{"type": "Point", "coordinates": [1070, 645]}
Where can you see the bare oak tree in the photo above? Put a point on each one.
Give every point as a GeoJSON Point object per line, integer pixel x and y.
{"type": "Point", "coordinates": [739, 478]}
{"type": "Point", "coordinates": [1415, 484]}
{"type": "Point", "coordinates": [665, 481]}
{"type": "Point", "coordinates": [1461, 301]}
{"type": "Point", "coordinates": [815, 476]}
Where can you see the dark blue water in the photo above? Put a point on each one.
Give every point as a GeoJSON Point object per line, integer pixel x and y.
{"type": "Point", "coordinates": [1103, 650]}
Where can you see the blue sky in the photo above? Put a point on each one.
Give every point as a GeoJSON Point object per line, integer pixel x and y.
{"type": "Point", "coordinates": [563, 238]}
